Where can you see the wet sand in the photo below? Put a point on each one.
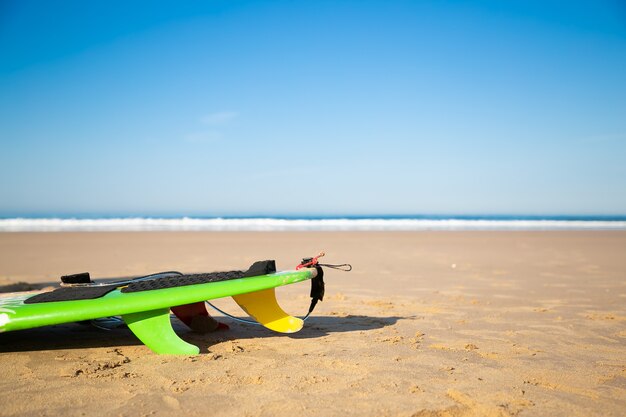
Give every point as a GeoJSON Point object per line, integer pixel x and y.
{"type": "Point", "coordinates": [427, 324]}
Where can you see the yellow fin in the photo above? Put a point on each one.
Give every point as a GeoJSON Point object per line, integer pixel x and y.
{"type": "Point", "coordinates": [264, 308]}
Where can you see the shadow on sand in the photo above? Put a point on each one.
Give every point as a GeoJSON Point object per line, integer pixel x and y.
{"type": "Point", "coordinates": [82, 336]}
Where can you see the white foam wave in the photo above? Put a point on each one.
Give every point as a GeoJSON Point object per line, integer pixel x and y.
{"type": "Point", "coordinates": [269, 224]}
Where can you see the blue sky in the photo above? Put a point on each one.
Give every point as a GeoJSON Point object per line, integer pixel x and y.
{"type": "Point", "coordinates": [236, 108]}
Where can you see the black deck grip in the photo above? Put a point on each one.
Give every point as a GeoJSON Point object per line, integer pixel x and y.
{"type": "Point", "coordinates": [70, 294]}
{"type": "Point", "coordinates": [181, 281]}
{"type": "Point", "coordinates": [157, 283]}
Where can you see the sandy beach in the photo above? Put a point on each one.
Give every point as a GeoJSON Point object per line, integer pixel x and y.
{"type": "Point", "coordinates": [427, 324]}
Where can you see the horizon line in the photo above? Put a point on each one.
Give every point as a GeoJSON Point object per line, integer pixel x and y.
{"type": "Point", "coordinates": [312, 216]}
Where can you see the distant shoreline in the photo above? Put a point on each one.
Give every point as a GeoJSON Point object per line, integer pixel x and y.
{"type": "Point", "coordinates": [253, 224]}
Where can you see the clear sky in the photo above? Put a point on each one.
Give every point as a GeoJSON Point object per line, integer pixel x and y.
{"type": "Point", "coordinates": [312, 107]}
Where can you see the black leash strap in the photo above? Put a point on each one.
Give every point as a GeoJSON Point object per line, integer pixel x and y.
{"type": "Point", "coordinates": [317, 283]}
{"type": "Point", "coordinates": [317, 288]}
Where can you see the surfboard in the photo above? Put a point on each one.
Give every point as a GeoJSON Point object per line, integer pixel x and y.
{"type": "Point", "coordinates": [145, 305]}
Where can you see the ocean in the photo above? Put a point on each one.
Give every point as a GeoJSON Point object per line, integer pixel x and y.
{"type": "Point", "coordinates": [311, 223]}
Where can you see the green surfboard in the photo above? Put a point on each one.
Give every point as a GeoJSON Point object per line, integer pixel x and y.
{"type": "Point", "coordinates": [146, 308]}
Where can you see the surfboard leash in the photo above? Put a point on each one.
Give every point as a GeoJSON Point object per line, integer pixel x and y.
{"type": "Point", "coordinates": [308, 262]}
{"type": "Point", "coordinates": [317, 286]}
{"type": "Point", "coordinates": [317, 283]}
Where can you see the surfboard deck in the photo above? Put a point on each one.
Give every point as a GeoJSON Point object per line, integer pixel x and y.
{"type": "Point", "coordinates": [147, 312]}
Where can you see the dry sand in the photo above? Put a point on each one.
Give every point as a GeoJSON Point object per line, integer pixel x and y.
{"type": "Point", "coordinates": [427, 324]}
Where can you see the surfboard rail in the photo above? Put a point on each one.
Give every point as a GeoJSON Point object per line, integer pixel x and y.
{"type": "Point", "coordinates": [147, 312]}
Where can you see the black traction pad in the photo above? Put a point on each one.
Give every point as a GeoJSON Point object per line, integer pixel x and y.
{"type": "Point", "coordinates": [71, 293]}
{"type": "Point", "coordinates": [171, 281]}
{"type": "Point", "coordinates": [181, 281]}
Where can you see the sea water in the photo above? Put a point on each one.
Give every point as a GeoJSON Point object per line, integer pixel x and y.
{"type": "Point", "coordinates": [311, 223]}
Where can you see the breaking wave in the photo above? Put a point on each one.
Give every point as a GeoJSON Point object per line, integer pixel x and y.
{"type": "Point", "coordinates": [276, 224]}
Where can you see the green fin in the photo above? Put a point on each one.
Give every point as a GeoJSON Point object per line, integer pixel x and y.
{"type": "Point", "coordinates": [154, 329]}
